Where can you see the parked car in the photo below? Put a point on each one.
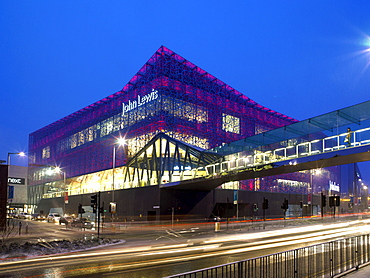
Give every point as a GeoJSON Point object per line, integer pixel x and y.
{"type": "Point", "coordinates": [38, 217]}
{"type": "Point", "coordinates": [23, 215]}
{"type": "Point", "coordinates": [53, 217]}
{"type": "Point", "coordinates": [66, 220]}
{"type": "Point", "coordinates": [10, 215]}
{"type": "Point", "coordinates": [82, 223]}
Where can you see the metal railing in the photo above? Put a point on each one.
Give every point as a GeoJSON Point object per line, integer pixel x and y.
{"type": "Point", "coordinates": [332, 143]}
{"type": "Point", "coordinates": [330, 259]}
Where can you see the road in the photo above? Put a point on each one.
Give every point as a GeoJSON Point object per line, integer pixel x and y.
{"type": "Point", "coordinates": [163, 251]}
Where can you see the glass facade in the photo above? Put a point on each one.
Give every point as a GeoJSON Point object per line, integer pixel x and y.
{"type": "Point", "coordinates": [171, 96]}
{"type": "Point", "coordinates": [168, 94]}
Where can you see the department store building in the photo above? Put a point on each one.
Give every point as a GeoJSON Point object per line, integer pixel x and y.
{"type": "Point", "coordinates": [173, 117]}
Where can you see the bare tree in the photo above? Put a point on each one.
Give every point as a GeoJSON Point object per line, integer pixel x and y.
{"type": "Point", "coordinates": [8, 230]}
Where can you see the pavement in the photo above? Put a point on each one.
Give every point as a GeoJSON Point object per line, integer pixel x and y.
{"type": "Point", "coordinates": [362, 272]}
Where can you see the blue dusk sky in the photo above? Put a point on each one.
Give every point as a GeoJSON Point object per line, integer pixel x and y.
{"type": "Point", "coordinates": [300, 58]}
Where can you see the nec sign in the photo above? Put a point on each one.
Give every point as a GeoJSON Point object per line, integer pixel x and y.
{"type": "Point", "coordinates": [16, 180]}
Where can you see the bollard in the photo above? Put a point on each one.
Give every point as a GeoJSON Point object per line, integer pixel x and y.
{"type": "Point", "coordinates": [20, 228]}
{"type": "Point", "coordinates": [217, 226]}
{"type": "Point", "coordinates": [27, 228]}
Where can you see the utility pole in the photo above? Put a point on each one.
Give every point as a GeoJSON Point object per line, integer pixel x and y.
{"type": "Point", "coordinates": [95, 204]}
{"type": "Point", "coordinates": [323, 204]}
{"type": "Point", "coordinates": [99, 211]}
{"type": "Point", "coordinates": [265, 205]}
{"type": "Point", "coordinates": [3, 195]}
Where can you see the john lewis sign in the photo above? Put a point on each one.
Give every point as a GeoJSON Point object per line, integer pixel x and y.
{"type": "Point", "coordinates": [334, 186]}
{"type": "Point", "coordinates": [139, 101]}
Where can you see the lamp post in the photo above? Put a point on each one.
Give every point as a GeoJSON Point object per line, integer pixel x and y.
{"type": "Point", "coordinates": [113, 169]}
{"type": "Point", "coordinates": [20, 154]}
{"type": "Point", "coordinates": [309, 197]}
{"type": "Point", "coordinates": [58, 170]}
{"type": "Point", "coordinates": [312, 173]}
{"type": "Point", "coordinates": [365, 196]}
{"type": "Point", "coordinates": [8, 163]}
{"type": "Point", "coordinates": [112, 207]}
{"type": "Point", "coordinates": [120, 142]}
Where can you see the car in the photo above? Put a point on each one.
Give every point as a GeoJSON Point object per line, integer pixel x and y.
{"type": "Point", "coordinates": [23, 215]}
{"type": "Point", "coordinates": [53, 217]}
{"type": "Point", "coordinates": [38, 217]}
{"type": "Point", "coordinates": [11, 215]}
{"type": "Point", "coordinates": [66, 220]}
{"type": "Point", "coordinates": [82, 223]}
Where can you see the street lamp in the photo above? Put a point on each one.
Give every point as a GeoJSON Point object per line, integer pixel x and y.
{"type": "Point", "coordinates": [58, 170]}
{"type": "Point", "coordinates": [20, 154]}
{"type": "Point", "coordinates": [310, 194]}
{"type": "Point", "coordinates": [120, 142]}
{"type": "Point", "coordinates": [364, 197]}
{"type": "Point", "coordinates": [8, 163]}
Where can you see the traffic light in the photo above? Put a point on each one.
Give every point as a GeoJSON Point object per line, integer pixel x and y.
{"type": "Point", "coordinates": [285, 205]}
{"type": "Point", "coordinates": [94, 202]}
{"type": "Point", "coordinates": [323, 200]}
{"type": "Point", "coordinates": [331, 201]}
{"type": "Point", "coordinates": [334, 201]}
{"type": "Point", "coordinates": [80, 209]}
{"type": "Point", "coordinates": [337, 201]}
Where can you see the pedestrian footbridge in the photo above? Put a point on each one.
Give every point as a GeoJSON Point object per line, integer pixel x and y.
{"type": "Point", "coordinates": [318, 142]}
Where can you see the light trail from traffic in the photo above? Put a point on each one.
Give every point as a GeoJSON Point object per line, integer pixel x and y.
{"type": "Point", "coordinates": [113, 259]}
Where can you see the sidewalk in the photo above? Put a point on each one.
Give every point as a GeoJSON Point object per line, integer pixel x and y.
{"type": "Point", "coordinates": [362, 272]}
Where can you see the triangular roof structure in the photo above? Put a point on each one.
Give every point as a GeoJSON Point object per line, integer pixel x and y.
{"type": "Point", "coordinates": [181, 99]}
{"type": "Point", "coordinates": [159, 65]}
{"type": "Point", "coordinates": [163, 55]}
{"type": "Point", "coordinates": [165, 154]}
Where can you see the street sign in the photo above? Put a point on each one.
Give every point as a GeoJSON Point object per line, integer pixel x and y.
{"type": "Point", "coordinates": [66, 197]}
{"type": "Point", "coordinates": [235, 197]}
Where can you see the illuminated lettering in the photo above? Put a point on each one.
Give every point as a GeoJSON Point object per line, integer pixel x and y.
{"type": "Point", "coordinates": [141, 100]}
{"type": "Point", "coordinates": [333, 186]}
{"type": "Point", "coordinates": [16, 180]}
{"type": "Point", "coordinates": [128, 107]}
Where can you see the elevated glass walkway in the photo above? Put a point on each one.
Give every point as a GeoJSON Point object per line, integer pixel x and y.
{"type": "Point", "coordinates": [330, 124]}
{"type": "Point", "coordinates": [321, 134]}
{"type": "Point", "coordinates": [329, 144]}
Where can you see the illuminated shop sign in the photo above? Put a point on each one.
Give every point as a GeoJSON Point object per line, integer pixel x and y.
{"type": "Point", "coordinates": [16, 180]}
{"type": "Point", "coordinates": [333, 186]}
{"type": "Point", "coordinates": [141, 100]}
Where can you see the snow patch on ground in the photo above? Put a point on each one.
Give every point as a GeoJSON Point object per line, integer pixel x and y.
{"type": "Point", "coordinates": [16, 251]}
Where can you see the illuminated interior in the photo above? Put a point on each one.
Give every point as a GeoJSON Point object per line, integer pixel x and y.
{"type": "Point", "coordinates": [189, 109]}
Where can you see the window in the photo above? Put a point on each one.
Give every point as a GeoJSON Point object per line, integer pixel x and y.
{"type": "Point", "coordinates": [46, 152]}
{"type": "Point", "coordinates": [230, 123]}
